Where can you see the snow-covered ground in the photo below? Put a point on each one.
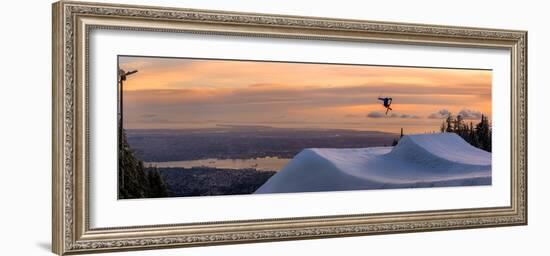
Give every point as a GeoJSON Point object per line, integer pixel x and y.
{"type": "Point", "coordinates": [425, 160]}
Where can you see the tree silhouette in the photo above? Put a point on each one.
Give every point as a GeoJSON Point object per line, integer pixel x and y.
{"type": "Point", "coordinates": [396, 140]}
{"type": "Point", "coordinates": [449, 123]}
{"type": "Point", "coordinates": [136, 181]}
{"type": "Point", "coordinates": [479, 136]}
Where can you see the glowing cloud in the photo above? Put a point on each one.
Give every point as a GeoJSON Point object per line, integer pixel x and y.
{"type": "Point", "coordinates": [182, 93]}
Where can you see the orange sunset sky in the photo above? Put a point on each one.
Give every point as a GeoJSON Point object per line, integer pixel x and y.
{"type": "Point", "coordinates": [179, 93]}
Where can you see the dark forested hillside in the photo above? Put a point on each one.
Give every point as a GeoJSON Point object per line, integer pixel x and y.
{"type": "Point", "coordinates": [136, 181]}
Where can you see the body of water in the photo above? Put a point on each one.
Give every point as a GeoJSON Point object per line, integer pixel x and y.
{"type": "Point", "coordinates": [260, 164]}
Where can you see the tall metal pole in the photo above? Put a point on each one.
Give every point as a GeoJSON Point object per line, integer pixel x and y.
{"type": "Point", "coordinates": [122, 77]}
{"type": "Point", "coordinates": [120, 171]}
{"type": "Point", "coordinates": [120, 106]}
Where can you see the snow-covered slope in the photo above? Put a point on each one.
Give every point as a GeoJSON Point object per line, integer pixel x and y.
{"type": "Point", "coordinates": [426, 160]}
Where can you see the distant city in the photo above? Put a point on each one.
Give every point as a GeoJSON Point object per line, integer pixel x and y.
{"type": "Point", "coordinates": [245, 142]}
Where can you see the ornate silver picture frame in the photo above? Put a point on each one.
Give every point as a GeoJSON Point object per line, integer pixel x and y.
{"type": "Point", "coordinates": [72, 208]}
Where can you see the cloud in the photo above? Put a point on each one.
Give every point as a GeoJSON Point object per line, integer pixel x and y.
{"type": "Point", "coordinates": [149, 115]}
{"type": "Point", "coordinates": [352, 116]}
{"type": "Point", "coordinates": [465, 113]}
{"type": "Point", "coordinates": [408, 116]}
{"type": "Point", "coordinates": [444, 113]}
{"type": "Point", "coordinates": [376, 114]}
{"type": "Point", "coordinates": [190, 91]}
{"type": "Point", "coordinates": [470, 114]}
{"type": "Point", "coordinates": [404, 84]}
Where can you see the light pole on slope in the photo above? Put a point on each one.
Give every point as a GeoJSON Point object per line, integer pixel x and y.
{"type": "Point", "coordinates": [122, 75]}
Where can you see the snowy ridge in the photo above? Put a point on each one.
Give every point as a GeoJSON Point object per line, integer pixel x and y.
{"type": "Point", "coordinates": [425, 160]}
{"type": "Point", "coordinates": [446, 147]}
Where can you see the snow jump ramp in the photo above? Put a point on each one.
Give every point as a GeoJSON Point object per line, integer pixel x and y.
{"type": "Point", "coordinates": [425, 160]}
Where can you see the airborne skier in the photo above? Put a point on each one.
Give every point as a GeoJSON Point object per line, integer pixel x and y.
{"type": "Point", "coordinates": [387, 103]}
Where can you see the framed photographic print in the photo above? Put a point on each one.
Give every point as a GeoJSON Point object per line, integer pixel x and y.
{"type": "Point", "coordinates": [179, 127]}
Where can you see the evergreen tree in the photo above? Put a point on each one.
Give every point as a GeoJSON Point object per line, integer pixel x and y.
{"type": "Point", "coordinates": [157, 187]}
{"type": "Point", "coordinates": [483, 134]}
{"type": "Point", "coordinates": [459, 126]}
{"type": "Point", "coordinates": [472, 135]}
{"type": "Point", "coordinates": [134, 180]}
{"type": "Point", "coordinates": [479, 136]}
{"type": "Point", "coordinates": [449, 123]}
{"type": "Point", "coordinates": [443, 128]}
{"type": "Point", "coordinates": [396, 141]}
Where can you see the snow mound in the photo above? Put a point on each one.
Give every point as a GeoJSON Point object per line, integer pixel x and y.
{"type": "Point", "coordinates": [425, 160]}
